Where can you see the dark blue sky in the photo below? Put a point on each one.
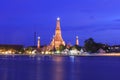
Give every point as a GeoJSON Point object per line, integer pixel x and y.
{"type": "Point", "coordinates": [19, 19]}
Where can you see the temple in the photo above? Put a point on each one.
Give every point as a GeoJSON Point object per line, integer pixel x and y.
{"type": "Point", "coordinates": [57, 38]}
{"type": "Point", "coordinates": [77, 41]}
{"type": "Point", "coordinates": [38, 43]}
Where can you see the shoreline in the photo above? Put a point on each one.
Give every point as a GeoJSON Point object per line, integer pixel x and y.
{"type": "Point", "coordinates": [80, 55]}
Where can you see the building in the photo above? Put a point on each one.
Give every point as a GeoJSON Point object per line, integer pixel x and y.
{"type": "Point", "coordinates": [77, 41]}
{"type": "Point", "coordinates": [114, 48]}
{"type": "Point", "coordinates": [38, 43]}
{"type": "Point", "coordinates": [10, 49]}
{"type": "Point", "coordinates": [57, 38]}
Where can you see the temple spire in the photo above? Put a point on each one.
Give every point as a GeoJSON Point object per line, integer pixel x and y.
{"type": "Point", "coordinates": [77, 41]}
{"type": "Point", "coordinates": [38, 44]}
{"type": "Point", "coordinates": [58, 18]}
{"type": "Point", "coordinates": [58, 24]}
{"type": "Point", "coordinates": [57, 39]}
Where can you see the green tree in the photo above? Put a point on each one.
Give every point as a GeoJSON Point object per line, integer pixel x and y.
{"type": "Point", "coordinates": [90, 45]}
{"type": "Point", "coordinates": [62, 47]}
{"type": "Point", "coordinates": [75, 47]}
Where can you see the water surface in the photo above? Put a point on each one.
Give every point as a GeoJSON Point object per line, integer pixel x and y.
{"type": "Point", "coordinates": [59, 68]}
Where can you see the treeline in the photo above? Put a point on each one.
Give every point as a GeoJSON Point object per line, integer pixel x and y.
{"type": "Point", "coordinates": [92, 47]}
{"type": "Point", "coordinates": [89, 46]}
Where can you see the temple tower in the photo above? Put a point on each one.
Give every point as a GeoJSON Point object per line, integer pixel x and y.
{"type": "Point", "coordinates": [57, 38]}
{"type": "Point", "coordinates": [38, 43]}
{"type": "Point", "coordinates": [77, 41]}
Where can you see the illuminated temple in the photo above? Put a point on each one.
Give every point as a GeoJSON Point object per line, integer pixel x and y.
{"type": "Point", "coordinates": [57, 38]}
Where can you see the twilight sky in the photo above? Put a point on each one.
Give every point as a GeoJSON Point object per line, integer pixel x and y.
{"type": "Point", "coordinates": [99, 19]}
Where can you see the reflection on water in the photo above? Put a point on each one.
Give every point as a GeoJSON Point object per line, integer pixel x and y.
{"type": "Point", "coordinates": [59, 68]}
{"type": "Point", "coordinates": [72, 58]}
{"type": "Point", "coordinates": [4, 74]}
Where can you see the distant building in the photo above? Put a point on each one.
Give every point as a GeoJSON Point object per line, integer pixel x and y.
{"type": "Point", "coordinates": [115, 48]}
{"type": "Point", "coordinates": [38, 44]}
{"type": "Point", "coordinates": [9, 46]}
{"type": "Point", "coordinates": [10, 49]}
{"type": "Point", "coordinates": [101, 51]}
{"type": "Point", "coordinates": [77, 41]}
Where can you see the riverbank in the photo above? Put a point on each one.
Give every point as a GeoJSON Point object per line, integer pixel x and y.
{"type": "Point", "coordinates": [32, 55]}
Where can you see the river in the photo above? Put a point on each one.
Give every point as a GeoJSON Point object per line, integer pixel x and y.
{"type": "Point", "coordinates": [59, 68]}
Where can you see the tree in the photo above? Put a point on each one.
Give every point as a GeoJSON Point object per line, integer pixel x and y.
{"type": "Point", "coordinates": [90, 45]}
{"type": "Point", "coordinates": [93, 47]}
{"type": "Point", "coordinates": [62, 47]}
{"type": "Point", "coordinates": [75, 47]}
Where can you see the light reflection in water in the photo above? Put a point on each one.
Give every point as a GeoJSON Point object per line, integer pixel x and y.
{"type": "Point", "coordinates": [58, 68]}
{"type": "Point", "coordinates": [38, 58]}
{"type": "Point", "coordinates": [5, 75]}
{"type": "Point", "coordinates": [40, 68]}
{"type": "Point", "coordinates": [72, 58]}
